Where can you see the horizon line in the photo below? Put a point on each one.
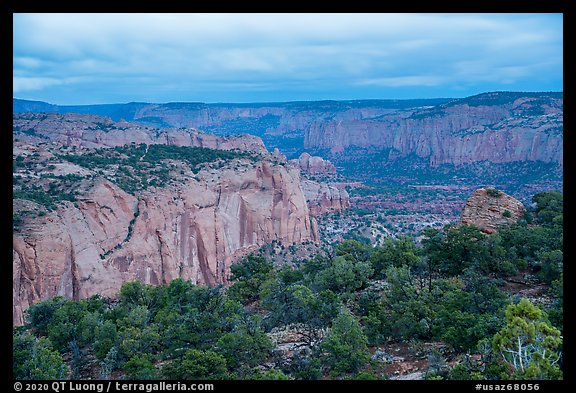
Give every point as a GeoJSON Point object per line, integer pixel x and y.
{"type": "Point", "coordinates": [289, 102]}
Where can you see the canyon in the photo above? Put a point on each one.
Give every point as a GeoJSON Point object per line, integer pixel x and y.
{"type": "Point", "coordinates": [509, 140]}
{"type": "Point", "coordinates": [497, 126]}
{"type": "Point", "coordinates": [491, 127]}
{"type": "Point", "coordinates": [92, 210]}
{"type": "Point", "coordinates": [93, 131]}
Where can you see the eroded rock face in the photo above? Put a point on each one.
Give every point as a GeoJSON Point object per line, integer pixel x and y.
{"type": "Point", "coordinates": [92, 131]}
{"type": "Point", "coordinates": [193, 230]}
{"type": "Point", "coordinates": [457, 134]}
{"type": "Point", "coordinates": [315, 165]}
{"type": "Point", "coordinates": [60, 253]}
{"type": "Point", "coordinates": [489, 209]}
{"type": "Point", "coordinates": [498, 126]}
{"type": "Point", "coordinates": [323, 197]}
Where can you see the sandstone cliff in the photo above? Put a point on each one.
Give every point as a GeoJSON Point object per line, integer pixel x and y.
{"type": "Point", "coordinates": [193, 231]}
{"type": "Point", "coordinates": [92, 131]}
{"type": "Point", "coordinates": [498, 127]}
{"type": "Point", "coordinates": [522, 129]}
{"type": "Point", "coordinates": [314, 165]}
{"type": "Point", "coordinates": [488, 209]}
{"type": "Point", "coordinates": [323, 197]}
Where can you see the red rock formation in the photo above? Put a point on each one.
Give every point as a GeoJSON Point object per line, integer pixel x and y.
{"type": "Point", "coordinates": [486, 208]}
{"type": "Point", "coordinates": [193, 230]}
{"type": "Point", "coordinates": [93, 131]}
{"type": "Point", "coordinates": [498, 127]}
{"type": "Point", "coordinates": [454, 134]}
{"type": "Point", "coordinates": [323, 197]}
{"type": "Point", "coordinates": [315, 165]}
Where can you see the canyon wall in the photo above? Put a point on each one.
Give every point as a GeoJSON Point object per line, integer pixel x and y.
{"type": "Point", "coordinates": [93, 131]}
{"type": "Point", "coordinates": [193, 231]}
{"type": "Point", "coordinates": [497, 127]}
{"type": "Point", "coordinates": [456, 134]}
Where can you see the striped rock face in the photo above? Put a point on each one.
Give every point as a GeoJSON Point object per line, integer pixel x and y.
{"type": "Point", "coordinates": [192, 230]}
{"type": "Point", "coordinates": [489, 209]}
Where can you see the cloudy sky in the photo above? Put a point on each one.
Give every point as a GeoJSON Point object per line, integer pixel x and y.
{"type": "Point", "coordinates": [114, 58]}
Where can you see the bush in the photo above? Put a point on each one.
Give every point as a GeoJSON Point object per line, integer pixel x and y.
{"type": "Point", "coordinates": [140, 367]}
{"type": "Point", "coordinates": [494, 193]}
{"type": "Point", "coordinates": [242, 348]}
{"type": "Point", "coordinates": [35, 359]}
{"type": "Point", "coordinates": [195, 365]}
{"type": "Point", "coordinates": [345, 347]}
{"type": "Point", "coordinates": [40, 315]}
{"type": "Point", "coordinates": [345, 275]}
{"type": "Point", "coordinates": [248, 276]}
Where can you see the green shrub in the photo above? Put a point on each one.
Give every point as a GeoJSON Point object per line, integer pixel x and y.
{"type": "Point", "coordinates": [494, 193]}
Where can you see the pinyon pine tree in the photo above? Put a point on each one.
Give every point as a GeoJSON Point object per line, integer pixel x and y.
{"type": "Point", "coordinates": [528, 343]}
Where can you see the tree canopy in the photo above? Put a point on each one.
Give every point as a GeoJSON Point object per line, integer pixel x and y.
{"type": "Point", "coordinates": [454, 288]}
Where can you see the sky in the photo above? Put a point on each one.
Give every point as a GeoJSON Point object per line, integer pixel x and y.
{"type": "Point", "coordinates": [71, 59]}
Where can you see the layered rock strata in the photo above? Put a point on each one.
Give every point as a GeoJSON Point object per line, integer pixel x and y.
{"type": "Point", "coordinates": [488, 209]}
{"type": "Point", "coordinates": [314, 165]}
{"type": "Point", "coordinates": [92, 131]}
{"type": "Point", "coordinates": [192, 231]}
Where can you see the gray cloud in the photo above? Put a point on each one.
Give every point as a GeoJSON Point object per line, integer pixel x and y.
{"type": "Point", "coordinates": [81, 58]}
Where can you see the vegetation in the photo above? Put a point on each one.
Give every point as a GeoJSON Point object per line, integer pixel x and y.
{"type": "Point", "coordinates": [131, 167]}
{"type": "Point", "coordinates": [494, 193]}
{"type": "Point", "coordinates": [136, 167]}
{"type": "Point", "coordinates": [372, 166]}
{"type": "Point", "coordinates": [453, 289]}
{"type": "Point", "coordinates": [505, 97]}
{"type": "Point", "coordinates": [528, 344]}
{"type": "Point", "coordinates": [345, 347]}
{"type": "Point", "coordinates": [36, 359]}
{"type": "Point", "coordinates": [48, 194]}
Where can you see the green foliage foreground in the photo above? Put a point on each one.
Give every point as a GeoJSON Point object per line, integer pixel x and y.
{"type": "Point", "coordinates": [449, 289]}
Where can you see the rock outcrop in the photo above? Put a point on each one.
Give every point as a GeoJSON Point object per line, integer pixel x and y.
{"type": "Point", "coordinates": [498, 127]}
{"type": "Point", "coordinates": [92, 131]}
{"type": "Point", "coordinates": [459, 132]}
{"type": "Point", "coordinates": [323, 197]}
{"type": "Point", "coordinates": [193, 230]}
{"type": "Point", "coordinates": [314, 165]}
{"type": "Point", "coordinates": [488, 209]}
{"type": "Point", "coordinates": [295, 338]}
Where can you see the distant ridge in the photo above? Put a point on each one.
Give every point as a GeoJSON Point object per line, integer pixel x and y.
{"type": "Point", "coordinates": [129, 111]}
{"type": "Point", "coordinates": [498, 127]}
{"type": "Point", "coordinates": [114, 111]}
